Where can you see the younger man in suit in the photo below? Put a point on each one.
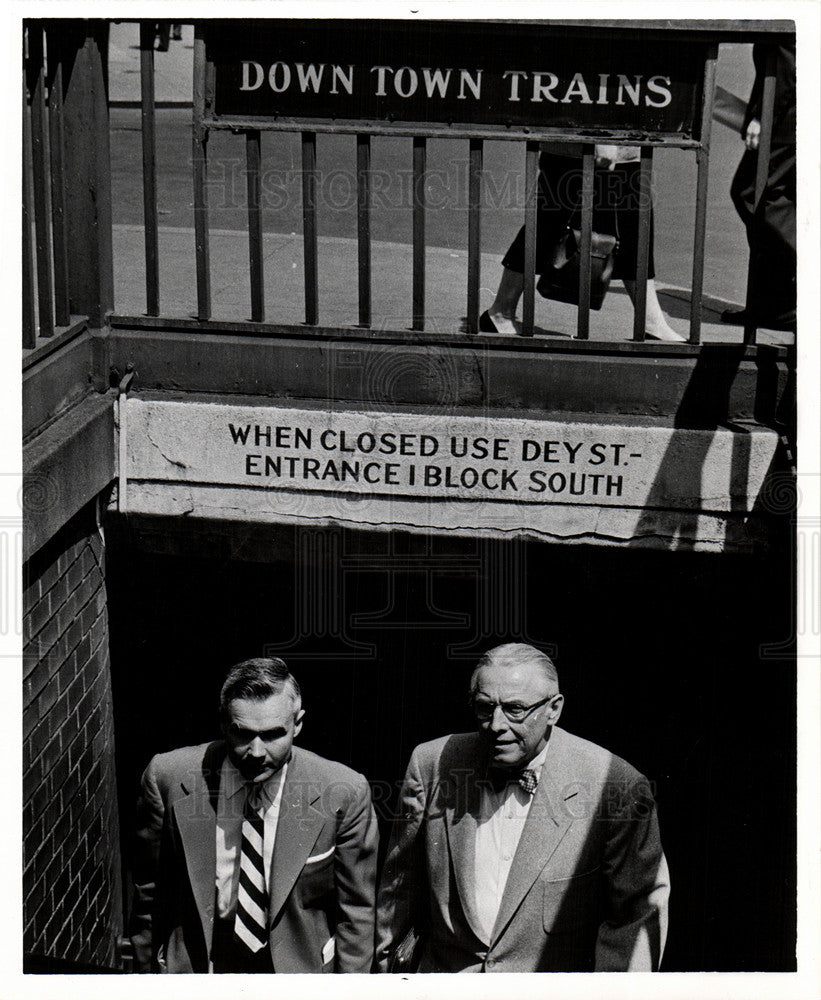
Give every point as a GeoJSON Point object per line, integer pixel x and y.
{"type": "Point", "coordinates": [522, 848]}
{"type": "Point", "coordinates": [254, 855]}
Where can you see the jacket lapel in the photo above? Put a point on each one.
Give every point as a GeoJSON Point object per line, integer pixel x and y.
{"type": "Point", "coordinates": [461, 816]}
{"type": "Point", "coordinates": [196, 815]}
{"type": "Point", "coordinates": [546, 824]}
{"type": "Point", "coordinates": [298, 827]}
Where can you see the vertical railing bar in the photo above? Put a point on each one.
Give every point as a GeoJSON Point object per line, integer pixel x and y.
{"type": "Point", "coordinates": [253, 159]}
{"type": "Point", "coordinates": [419, 167]}
{"type": "Point", "coordinates": [45, 302]}
{"type": "Point", "coordinates": [585, 244]}
{"type": "Point", "coordinates": [309, 240]}
{"type": "Point", "coordinates": [363, 224]}
{"type": "Point", "coordinates": [199, 153]}
{"type": "Point", "coordinates": [761, 172]}
{"type": "Point", "coordinates": [149, 148]}
{"type": "Point", "coordinates": [476, 159]}
{"type": "Point", "coordinates": [29, 318]}
{"type": "Point", "coordinates": [702, 166]}
{"type": "Point", "coordinates": [58, 191]}
{"type": "Point", "coordinates": [531, 204]}
{"type": "Point", "coordinates": [643, 250]}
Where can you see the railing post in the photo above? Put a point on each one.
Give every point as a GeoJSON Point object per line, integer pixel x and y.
{"type": "Point", "coordinates": [58, 184]}
{"type": "Point", "coordinates": [84, 56]}
{"type": "Point", "coordinates": [531, 215]}
{"type": "Point", "coordinates": [29, 317]}
{"type": "Point", "coordinates": [702, 167]}
{"type": "Point", "coordinates": [149, 136]}
{"type": "Point", "coordinates": [586, 241]}
{"type": "Point", "coordinates": [474, 232]}
{"type": "Point", "coordinates": [199, 157]}
{"type": "Point", "coordinates": [363, 225]}
{"type": "Point", "coordinates": [40, 180]}
{"type": "Point", "coordinates": [643, 248]}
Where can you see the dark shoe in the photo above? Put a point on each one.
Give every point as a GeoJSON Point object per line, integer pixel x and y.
{"type": "Point", "coordinates": [486, 324]}
{"type": "Point", "coordinates": [740, 317]}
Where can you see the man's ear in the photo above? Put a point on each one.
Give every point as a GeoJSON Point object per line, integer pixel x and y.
{"type": "Point", "coordinates": [300, 715]}
{"type": "Point", "coordinates": [556, 709]}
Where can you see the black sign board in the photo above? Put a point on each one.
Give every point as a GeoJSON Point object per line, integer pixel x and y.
{"type": "Point", "coordinates": [465, 73]}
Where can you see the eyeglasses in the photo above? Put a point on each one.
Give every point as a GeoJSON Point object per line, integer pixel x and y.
{"type": "Point", "coordinates": [513, 712]}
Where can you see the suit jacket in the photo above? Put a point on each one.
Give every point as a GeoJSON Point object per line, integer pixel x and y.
{"type": "Point", "coordinates": [588, 885]}
{"type": "Point", "coordinates": [323, 872]}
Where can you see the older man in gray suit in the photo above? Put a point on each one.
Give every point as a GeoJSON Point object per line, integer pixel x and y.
{"type": "Point", "coordinates": [522, 848]}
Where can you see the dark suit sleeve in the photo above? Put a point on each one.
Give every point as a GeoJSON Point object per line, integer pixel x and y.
{"type": "Point", "coordinates": [636, 884]}
{"type": "Point", "coordinates": [784, 106]}
{"type": "Point", "coordinates": [150, 814]}
{"type": "Point", "coordinates": [357, 839]}
{"type": "Point", "coordinates": [403, 889]}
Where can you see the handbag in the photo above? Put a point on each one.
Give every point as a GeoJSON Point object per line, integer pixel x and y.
{"type": "Point", "coordinates": [559, 280]}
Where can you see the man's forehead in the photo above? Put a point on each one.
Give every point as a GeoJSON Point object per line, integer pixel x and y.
{"type": "Point", "coordinates": [263, 713]}
{"type": "Point", "coordinates": [510, 680]}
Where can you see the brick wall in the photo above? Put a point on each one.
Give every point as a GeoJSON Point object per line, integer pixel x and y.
{"type": "Point", "coordinates": [72, 891]}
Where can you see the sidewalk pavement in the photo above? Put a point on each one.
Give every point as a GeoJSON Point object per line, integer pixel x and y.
{"type": "Point", "coordinates": [446, 287]}
{"type": "Point", "coordinates": [173, 70]}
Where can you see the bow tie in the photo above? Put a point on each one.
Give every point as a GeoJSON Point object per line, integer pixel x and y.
{"type": "Point", "coordinates": [526, 779]}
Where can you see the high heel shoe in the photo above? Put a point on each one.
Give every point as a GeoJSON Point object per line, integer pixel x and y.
{"type": "Point", "coordinates": [486, 324]}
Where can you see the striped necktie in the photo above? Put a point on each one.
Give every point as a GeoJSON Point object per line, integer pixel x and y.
{"type": "Point", "coordinates": [251, 922]}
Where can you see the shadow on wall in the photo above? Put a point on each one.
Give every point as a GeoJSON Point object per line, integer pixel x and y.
{"type": "Point", "coordinates": [706, 406]}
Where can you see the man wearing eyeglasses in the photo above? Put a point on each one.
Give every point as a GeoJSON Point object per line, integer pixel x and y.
{"type": "Point", "coordinates": [521, 848]}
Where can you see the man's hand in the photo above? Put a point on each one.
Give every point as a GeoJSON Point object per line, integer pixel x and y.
{"type": "Point", "coordinates": [608, 156]}
{"type": "Point", "coordinates": [753, 134]}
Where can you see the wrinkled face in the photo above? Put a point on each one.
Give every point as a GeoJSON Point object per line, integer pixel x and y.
{"type": "Point", "coordinates": [260, 734]}
{"type": "Point", "coordinates": [516, 687]}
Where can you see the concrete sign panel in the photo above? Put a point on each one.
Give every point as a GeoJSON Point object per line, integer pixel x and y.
{"type": "Point", "coordinates": [503, 471]}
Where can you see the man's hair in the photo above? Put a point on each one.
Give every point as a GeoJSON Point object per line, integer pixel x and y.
{"type": "Point", "coordinates": [515, 654]}
{"type": "Point", "coordinates": [257, 680]}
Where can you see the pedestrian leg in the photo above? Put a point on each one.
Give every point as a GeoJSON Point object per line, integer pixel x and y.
{"type": "Point", "coordinates": [655, 322]}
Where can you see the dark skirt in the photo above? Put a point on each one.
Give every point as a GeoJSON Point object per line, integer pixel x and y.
{"type": "Point", "coordinates": [615, 211]}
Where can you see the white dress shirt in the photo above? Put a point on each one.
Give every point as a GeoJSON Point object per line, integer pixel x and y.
{"type": "Point", "coordinates": [230, 808]}
{"type": "Point", "coordinates": [499, 827]}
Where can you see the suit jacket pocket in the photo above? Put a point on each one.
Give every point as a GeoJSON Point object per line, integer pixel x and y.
{"type": "Point", "coordinates": [316, 881]}
{"type": "Point", "coordinates": [571, 905]}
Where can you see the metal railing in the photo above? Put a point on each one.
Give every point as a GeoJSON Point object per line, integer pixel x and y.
{"type": "Point", "coordinates": [45, 254]}
{"type": "Point", "coordinates": [46, 188]}
{"type": "Point", "coordinates": [203, 83]}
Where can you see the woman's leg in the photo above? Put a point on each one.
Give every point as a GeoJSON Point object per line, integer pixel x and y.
{"type": "Point", "coordinates": [655, 322]}
{"type": "Point", "coordinates": [559, 182]}
{"type": "Point", "coordinates": [503, 310]}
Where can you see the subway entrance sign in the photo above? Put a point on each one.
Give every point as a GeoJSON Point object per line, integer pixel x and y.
{"type": "Point", "coordinates": [522, 77]}
{"type": "Point", "coordinates": [554, 477]}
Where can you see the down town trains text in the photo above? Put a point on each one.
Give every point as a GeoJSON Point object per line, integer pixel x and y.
{"type": "Point", "coordinates": [406, 82]}
{"type": "Point", "coordinates": [429, 462]}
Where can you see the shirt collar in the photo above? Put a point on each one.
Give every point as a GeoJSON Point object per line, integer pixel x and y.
{"type": "Point", "coordinates": [538, 761]}
{"type": "Point", "coordinates": [534, 765]}
{"type": "Point", "coordinates": [232, 782]}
